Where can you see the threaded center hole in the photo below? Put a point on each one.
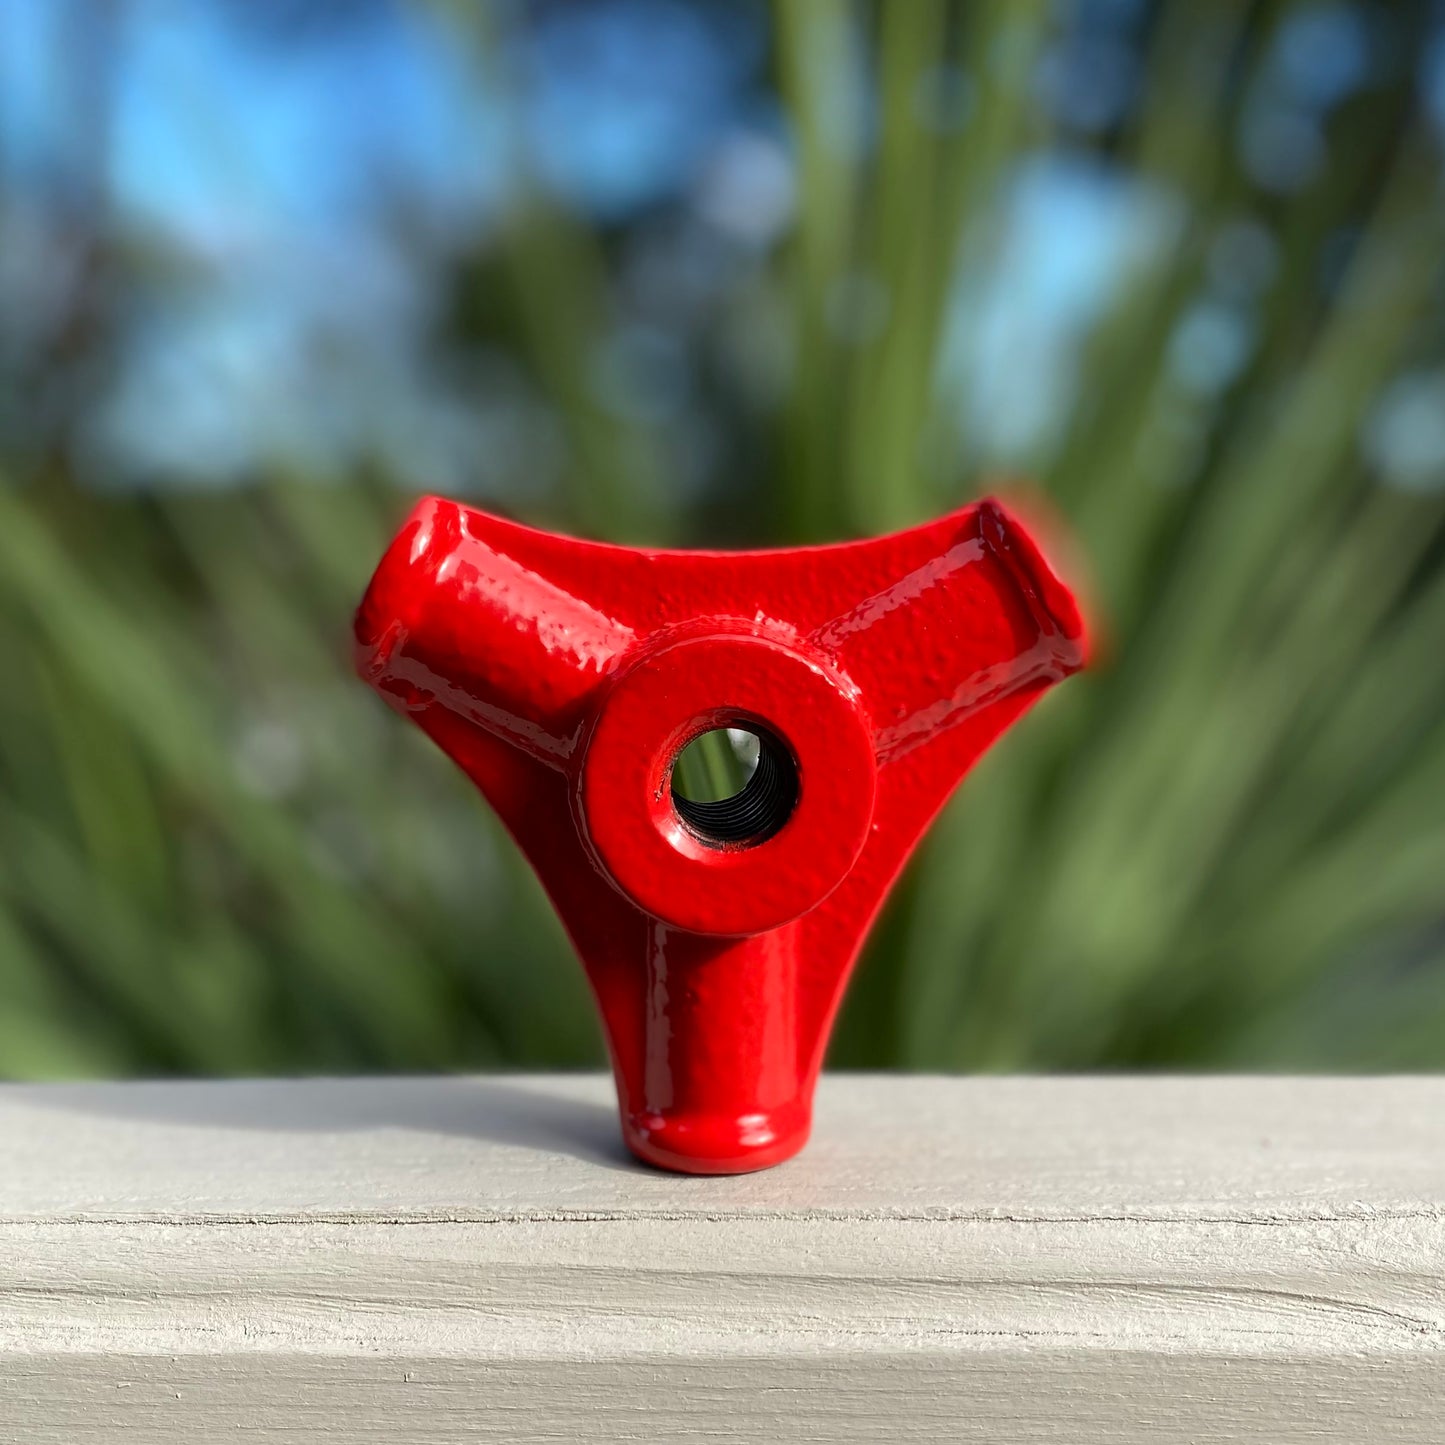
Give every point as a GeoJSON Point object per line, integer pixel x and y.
{"type": "Point", "coordinates": [734, 786]}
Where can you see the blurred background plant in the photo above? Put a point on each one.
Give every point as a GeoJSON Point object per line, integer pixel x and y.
{"type": "Point", "coordinates": [710, 273]}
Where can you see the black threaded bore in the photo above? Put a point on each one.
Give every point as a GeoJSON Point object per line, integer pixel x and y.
{"type": "Point", "coordinates": [756, 812]}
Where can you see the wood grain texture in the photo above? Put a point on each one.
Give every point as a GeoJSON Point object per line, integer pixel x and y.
{"type": "Point", "coordinates": [470, 1260]}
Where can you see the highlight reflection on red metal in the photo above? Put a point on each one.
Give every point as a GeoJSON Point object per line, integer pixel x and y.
{"type": "Point", "coordinates": [565, 677]}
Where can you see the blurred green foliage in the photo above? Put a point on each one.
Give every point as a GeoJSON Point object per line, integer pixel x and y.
{"type": "Point", "coordinates": [1225, 846]}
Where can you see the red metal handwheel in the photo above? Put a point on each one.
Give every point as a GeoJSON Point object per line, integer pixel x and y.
{"type": "Point", "coordinates": [565, 677]}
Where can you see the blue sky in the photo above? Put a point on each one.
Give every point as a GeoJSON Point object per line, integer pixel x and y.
{"type": "Point", "coordinates": [310, 172]}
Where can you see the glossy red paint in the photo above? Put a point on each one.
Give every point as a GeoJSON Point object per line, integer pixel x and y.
{"type": "Point", "coordinates": [565, 677]}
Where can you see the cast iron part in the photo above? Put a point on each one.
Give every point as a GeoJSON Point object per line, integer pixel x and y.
{"type": "Point", "coordinates": [565, 677]}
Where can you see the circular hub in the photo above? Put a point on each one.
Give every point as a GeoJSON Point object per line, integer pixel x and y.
{"type": "Point", "coordinates": [753, 861]}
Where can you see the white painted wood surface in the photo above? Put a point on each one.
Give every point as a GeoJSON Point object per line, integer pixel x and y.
{"type": "Point", "coordinates": [434, 1262]}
